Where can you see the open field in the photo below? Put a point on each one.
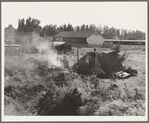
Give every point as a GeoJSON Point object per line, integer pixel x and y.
{"type": "Point", "coordinates": [25, 86]}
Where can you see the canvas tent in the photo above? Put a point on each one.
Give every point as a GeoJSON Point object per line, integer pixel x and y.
{"type": "Point", "coordinates": [98, 63]}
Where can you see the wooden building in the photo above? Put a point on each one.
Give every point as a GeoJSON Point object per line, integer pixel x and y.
{"type": "Point", "coordinates": [111, 42]}
{"type": "Point", "coordinates": [82, 38]}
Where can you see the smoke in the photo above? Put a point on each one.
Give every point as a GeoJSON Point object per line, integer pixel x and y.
{"type": "Point", "coordinates": [53, 57]}
{"type": "Point", "coordinates": [45, 48]}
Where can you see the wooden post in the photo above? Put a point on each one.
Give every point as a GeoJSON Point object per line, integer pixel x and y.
{"type": "Point", "coordinates": [78, 55]}
{"type": "Point", "coordinates": [57, 58]}
{"type": "Point", "coordinates": [94, 50]}
{"type": "Point", "coordinates": [77, 59]}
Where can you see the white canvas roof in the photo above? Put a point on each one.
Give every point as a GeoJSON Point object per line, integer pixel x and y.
{"type": "Point", "coordinates": [58, 43]}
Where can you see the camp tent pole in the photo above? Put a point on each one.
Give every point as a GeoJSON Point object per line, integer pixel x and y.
{"type": "Point", "coordinates": [94, 50]}
{"type": "Point", "coordinates": [57, 58]}
{"type": "Point", "coordinates": [77, 55]}
{"type": "Point", "coordinates": [77, 59]}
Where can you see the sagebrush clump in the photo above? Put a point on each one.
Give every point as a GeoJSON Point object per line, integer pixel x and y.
{"type": "Point", "coordinates": [117, 48]}
{"type": "Point", "coordinates": [58, 104]}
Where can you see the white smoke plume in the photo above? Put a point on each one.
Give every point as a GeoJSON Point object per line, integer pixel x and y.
{"type": "Point", "coordinates": [45, 47]}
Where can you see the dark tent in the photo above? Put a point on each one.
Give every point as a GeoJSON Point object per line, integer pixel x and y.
{"type": "Point", "coordinates": [98, 63]}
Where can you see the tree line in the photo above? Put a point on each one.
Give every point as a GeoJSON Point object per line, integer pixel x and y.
{"type": "Point", "coordinates": [33, 25]}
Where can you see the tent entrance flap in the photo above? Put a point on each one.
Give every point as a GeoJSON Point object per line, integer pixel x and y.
{"type": "Point", "coordinates": [110, 62]}
{"type": "Point", "coordinates": [98, 69]}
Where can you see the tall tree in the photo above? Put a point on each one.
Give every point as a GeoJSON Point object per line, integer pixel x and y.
{"type": "Point", "coordinates": [82, 27]}
{"type": "Point", "coordinates": [68, 27]}
{"type": "Point", "coordinates": [31, 24]}
{"type": "Point", "coordinates": [49, 30]}
{"type": "Point", "coordinates": [77, 28]}
{"type": "Point", "coordinates": [28, 27]}
{"type": "Point", "coordinates": [21, 25]}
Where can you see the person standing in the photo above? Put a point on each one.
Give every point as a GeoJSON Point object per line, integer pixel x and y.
{"type": "Point", "coordinates": [65, 62]}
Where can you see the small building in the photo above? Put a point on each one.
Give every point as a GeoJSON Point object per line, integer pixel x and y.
{"type": "Point", "coordinates": [111, 42]}
{"type": "Point", "coordinates": [10, 33]}
{"type": "Point", "coordinates": [81, 38]}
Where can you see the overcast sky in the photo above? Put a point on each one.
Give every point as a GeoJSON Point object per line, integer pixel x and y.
{"type": "Point", "coordinates": [126, 15]}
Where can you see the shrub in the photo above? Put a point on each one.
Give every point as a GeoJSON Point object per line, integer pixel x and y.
{"type": "Point", "coordinates": [107, 92]}
{"type": "Point", "coordinates": [88, 109]}
{"type": "Point", "coordinates": [136, 108]}
{"type": "Point", "coordinates": [13, 108]}
{"type": "Point", "coordinates": [138, 95]}
{"type": "Point", "coordinates": [123, 57]}
{"type": "Point", "coordinates": [114, 108]}
{"type": "Point", "coordinates": [90, 106]}
{"type": "Point", "coordinates": [23, 94]}
{"type": "Point", "coordinates": [116, 48]}
{"type": "Point", "coordinates": [66, 103]}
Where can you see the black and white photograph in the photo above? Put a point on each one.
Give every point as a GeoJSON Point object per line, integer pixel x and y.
{"type": "Point", "coordinates": [74, 61]}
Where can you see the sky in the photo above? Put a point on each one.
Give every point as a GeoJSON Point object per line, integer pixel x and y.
{"type": "Point", "coordinates": [126, 15]}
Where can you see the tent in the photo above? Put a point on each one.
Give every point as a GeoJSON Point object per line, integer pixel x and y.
{"type": "Point", "coordinates": [98, 64]}
{"type": "Point", "coordinates": [62, 46]}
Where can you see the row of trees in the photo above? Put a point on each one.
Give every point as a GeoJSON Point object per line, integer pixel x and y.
{"type": "Point", "coordinates": [112, 32]}
{"type": "Point", "coordinates": [31, 25]}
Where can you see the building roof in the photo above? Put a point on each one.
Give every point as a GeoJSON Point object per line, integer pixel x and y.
{"type": "Point", "coordinates": [58, 43]}
{"type": "Point", "coordinates": [115, 40]}
{"type": "Point", "coordinates": [74, 34]}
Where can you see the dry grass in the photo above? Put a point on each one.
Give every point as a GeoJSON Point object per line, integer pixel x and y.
{"type": "Point", "coordinates": [24, 87]}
